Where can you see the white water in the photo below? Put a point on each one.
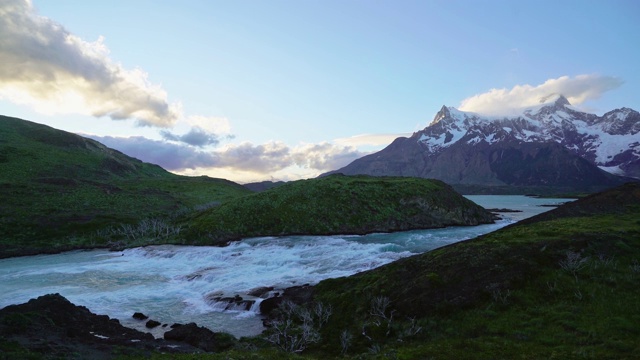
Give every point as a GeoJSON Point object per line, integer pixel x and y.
{"type": "Point", "coordinates": [171, 283]}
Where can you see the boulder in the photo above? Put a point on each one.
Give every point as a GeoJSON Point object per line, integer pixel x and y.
{"type": "Point", "coordinates": [201, 337]}
{"type": "Point", "coordinates": [140, 316]}
{"type": "Point", "coordinates": [152, 324]}
{"type": "Point", "coordinates": [297, 294]}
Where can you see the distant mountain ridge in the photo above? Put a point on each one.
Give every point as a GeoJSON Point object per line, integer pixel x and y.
{"type": "Point", "coordinates": [551, 145]}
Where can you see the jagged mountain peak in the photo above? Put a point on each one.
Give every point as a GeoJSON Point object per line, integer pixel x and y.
{"type": "Point", "coordinates": [557, 99]}
{"type": "Point", "coordinates": [443, 113]}
{"type": "Point", "coordinates": [562, 101]}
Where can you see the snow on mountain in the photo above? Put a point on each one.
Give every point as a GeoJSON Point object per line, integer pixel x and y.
{"type": "Point", "coordinates": [611, 141]}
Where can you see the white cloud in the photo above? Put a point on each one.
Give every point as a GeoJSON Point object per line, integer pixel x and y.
{"type": "Point", "coordinates": [54, 71]}
{"type": "Point", "coordinates": [324, 156]}
{"type": "Point", "coordinates": [508, 101]}
{"type": "Point", "coordinates": [258, 161]}
{"type": "Point", "coordinates": [170, 156]}
{"type": "Point", "coordinates": [262, 158]}
{"type": "Point", "coordinates": [276, 156]}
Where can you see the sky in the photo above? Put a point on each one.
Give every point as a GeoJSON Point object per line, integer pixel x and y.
{"type": "Point", "coordinates": [252, 90]}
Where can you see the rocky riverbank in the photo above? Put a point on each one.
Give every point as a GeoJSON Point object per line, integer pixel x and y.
{"type": "Point", "coordinates": [53, 327]}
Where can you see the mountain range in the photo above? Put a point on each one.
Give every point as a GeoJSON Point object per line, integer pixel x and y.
{"type": "Point", "coordinates": [550, 146]}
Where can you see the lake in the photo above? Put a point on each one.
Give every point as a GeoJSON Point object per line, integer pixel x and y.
{"type": "Point", "coordinates": [176, 283]}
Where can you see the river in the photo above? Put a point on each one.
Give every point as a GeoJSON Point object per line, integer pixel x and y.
{"type": "Point", "coordinates": [176, 283]}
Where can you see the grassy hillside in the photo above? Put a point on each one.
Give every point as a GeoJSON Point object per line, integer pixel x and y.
{"type": "Point", "coordinates": [339, 204]}
{"type": "Point", "coordinates": [58, 189]}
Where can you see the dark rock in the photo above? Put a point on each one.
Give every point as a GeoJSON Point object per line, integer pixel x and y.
{"type": "Point", "coordinates": [236, 303]}
{"type": "Point", "coordinates": [242, 305]}
{"type": "Point", "coordinates": [201, 337]}
{"type": "Point", "coordinates": [152, 324]}
{"type": "Point", "coordinates": [53, 327]}
{"type": "Point", "coordinates": [270, 304]}
{"type": "Point", "coordinates": [296, 294]}
{"type": "Point", "coordinates": [260, 291]}
{"type": "Point", "coordinates": [140, 316]}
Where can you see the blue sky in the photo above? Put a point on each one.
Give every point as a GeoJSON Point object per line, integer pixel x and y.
{"type": "Point", "coordinates": [253, 90]}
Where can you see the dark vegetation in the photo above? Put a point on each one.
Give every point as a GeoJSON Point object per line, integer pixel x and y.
{"type": "Point", "coordinates": [263, 185]}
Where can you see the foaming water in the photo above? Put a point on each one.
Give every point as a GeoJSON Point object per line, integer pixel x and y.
{"type": "Point", "coordinates": [180, 283]}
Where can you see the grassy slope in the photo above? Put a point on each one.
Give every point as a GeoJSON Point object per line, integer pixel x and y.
{"type": "Point", "coordinates": [339, 204]}
{"type": "Point", "coordinates": [56, 188]}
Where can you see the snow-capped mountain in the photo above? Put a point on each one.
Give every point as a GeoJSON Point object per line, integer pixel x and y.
{"type": "Point", "coordinates": [611, 141]}
{"type": "Point", "coordinates": [553, 144]}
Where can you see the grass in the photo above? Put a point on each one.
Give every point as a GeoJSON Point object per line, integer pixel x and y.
{"type": "Point", "coordinates": [50, 217]}
{"type": "Point", "coordinates": [339, 204]}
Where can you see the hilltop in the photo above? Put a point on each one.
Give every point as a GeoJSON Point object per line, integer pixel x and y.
{"type": "Point", "coordinates": [339, 204]}
{"type": "Point", "coordinates": [60, 189]}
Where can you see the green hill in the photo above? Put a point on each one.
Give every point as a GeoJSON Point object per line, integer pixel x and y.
{"type": "Point", "coordinates": [57, 189]}
{"type": "Point", "coordinates": [339, 204]}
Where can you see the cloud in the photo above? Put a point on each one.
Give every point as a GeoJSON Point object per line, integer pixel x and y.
{"type": "Point", "coordinates": [263, 159]}
{"type": "Point", "coordinates": [508, 101]}
{"type": "Point", "coordinates": [203, 131]}
{"type": "Point", "coordinates": [276, 156]}
{"type": "Point", "coordinates": [172, 157]}
{"type": "Point", "coordinates": [324, 156]}
{"type": "Point", "coordinates": [195, 137]}
{"type": "Point", "coordinates": [54, 71]}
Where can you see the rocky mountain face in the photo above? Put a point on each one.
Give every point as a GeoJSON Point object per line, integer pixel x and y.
{"type": "Point", "coordinates": [551, 145]}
